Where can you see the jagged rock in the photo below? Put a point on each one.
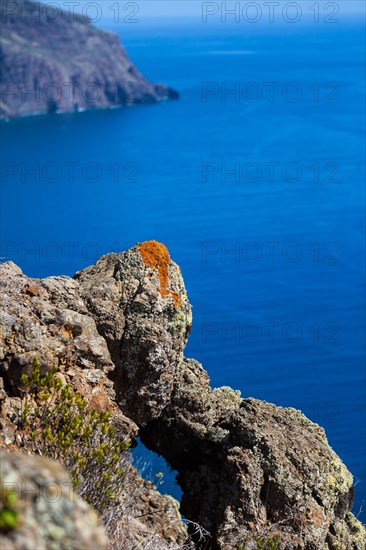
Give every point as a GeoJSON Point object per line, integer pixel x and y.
{"type": "Point", "coordinates": [247, 468]}
{"type": "Point", "coordinates": [47, 513]}
{"type": "Point", "coordinates": [53, 60]}
{"type": "Point", "coordinates": [46, 319]}
{"type": "Point", "coordinates": [155, 520]}
{"type": "Point", "coordinates": [139, 304]}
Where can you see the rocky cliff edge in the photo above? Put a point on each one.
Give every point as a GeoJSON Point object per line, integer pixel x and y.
{"type": "Point", "coordinates": [116, 333]}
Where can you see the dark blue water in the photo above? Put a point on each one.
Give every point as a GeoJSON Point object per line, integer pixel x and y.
{"type": "Point", "coordinates": [272, 254]}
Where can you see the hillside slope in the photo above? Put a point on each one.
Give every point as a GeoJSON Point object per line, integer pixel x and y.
{"type": "Point", "coordinates": [53, 61]}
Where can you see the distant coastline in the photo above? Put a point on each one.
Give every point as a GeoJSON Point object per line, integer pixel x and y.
{"type": "Point", "coordinates": [61, 63]}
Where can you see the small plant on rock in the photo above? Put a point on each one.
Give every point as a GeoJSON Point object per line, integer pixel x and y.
{"type": "Point", "coordinates": [9, 515]}
{"type": "Point", "coordinates": [60, 426]}
{"type": "Point", "coordinates": [263, 543]}
{"type": "Point", "coordinates": [268, 544]}
{"type": "Point", "coordinates": [56, 422]}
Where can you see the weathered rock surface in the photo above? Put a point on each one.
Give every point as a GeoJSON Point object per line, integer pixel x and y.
{"type": "Point", "coordinates": [46, 318]}
{"type": "Point", "coordinates": [247, 468]}
{"type": "Point", "coordinates": [155, 522]}
{"type": "Point", "coordinates": [48, 512]}
{"type": "Point", "coordinates": [139, 304]}
{"type": "Point", "coordinates": [57, 61]}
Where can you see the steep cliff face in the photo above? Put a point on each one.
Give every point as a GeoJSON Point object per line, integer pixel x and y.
{"type": "Point", "coordinates": [117, 332]}
{"type": "Point", "coordinates": [57, 61]}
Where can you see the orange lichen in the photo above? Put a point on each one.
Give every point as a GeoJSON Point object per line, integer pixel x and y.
{"type": "Point", "coordinates": [156, 256]}
{"type": "Point", "coordinates": [320, 431]}
{"type": "Point", "coordinates": [66, 333]}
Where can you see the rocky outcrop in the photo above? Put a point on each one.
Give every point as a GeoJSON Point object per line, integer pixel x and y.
{"type": "Point", "coordinates": [52, 60]}
{"type": "Point", "coordinates": [138, 301]}
{"type": "Point", "coordinates": [43, 511]}
{"type": "Point", "coordinates": [46, 318]}
{"type": "Point", "coordinates": [267, 469]}
{"type": "Point", "coordinates": [247, 468]}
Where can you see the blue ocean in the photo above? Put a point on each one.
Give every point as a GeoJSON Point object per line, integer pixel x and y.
{"type": "Point", "coordinates": [254, 181]}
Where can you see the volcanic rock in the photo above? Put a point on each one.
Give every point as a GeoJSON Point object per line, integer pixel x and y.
{"type": "Point", "coordinates": [53, 60]}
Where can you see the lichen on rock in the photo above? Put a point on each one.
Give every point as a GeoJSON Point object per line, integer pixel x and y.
{"type": "Point", "coordinates": [156, 256]}
{"type": "Point", "coordinates": [50, 514]}
{"type": "Point", "coordinates": [140, 307]}
{"type": "Point", "coordinates": [266, 468]}
{"type": "Point", "coordinates": [117, 331]}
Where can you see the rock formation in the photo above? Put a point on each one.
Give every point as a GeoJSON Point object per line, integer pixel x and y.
{"type": "Point", "coordinates": [46, 318]}
{"type": "Point", "coordinates": [52, 60]}
{"type": "Point", "coordinates": [140, 307]}
{"type": "Point", "coordinates": [267, 469]}
{"type": "Point", "coordinates": [117, 331]}
{"type": "Point", "coordinates": [45, 510]}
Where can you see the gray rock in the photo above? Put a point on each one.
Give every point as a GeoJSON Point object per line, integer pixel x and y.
{"type": "Point", "coordinates": [249, 468]}
{"type": "Point", "coordinates": [49, 515]}
{"type": "Point", "coordinates": [140, 306]}
{"type": "Point", "coordinates": [46, 319]}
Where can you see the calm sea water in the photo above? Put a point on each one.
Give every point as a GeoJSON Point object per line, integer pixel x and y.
{"type": "Point", "coordinates": [272, 257]}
